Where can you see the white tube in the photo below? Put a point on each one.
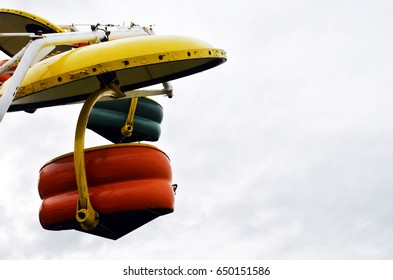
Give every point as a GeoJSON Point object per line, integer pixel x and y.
{"type": "Point", "coordinates": [13, 60]}
{"type": "Point", "coordinates": [31, 55]}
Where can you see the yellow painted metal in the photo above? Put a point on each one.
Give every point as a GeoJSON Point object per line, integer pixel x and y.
{"type": "Point", "coordinates": [117, 55]}
{"type": "Point", "coordinates": [17, 24]}
{"type": "Point", "coordinates": [32, 17]}
{"type": "Point", "coordinates": [86, 215]}
{"type": "Point", "coordinates": [128, 127]}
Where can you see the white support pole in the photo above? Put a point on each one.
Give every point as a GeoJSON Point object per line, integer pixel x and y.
{"type": "Point", "coordinates": [31, 35]}
{"type": "Point", "coordinates": [16, 58]}
{"type": "Point", "coordinates": [32, 54]}
{"type": "Point", "coordinates": [167, 90]}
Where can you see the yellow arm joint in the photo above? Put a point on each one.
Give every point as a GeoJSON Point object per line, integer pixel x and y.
{"type": "Point", "coordinates": [128, 127]}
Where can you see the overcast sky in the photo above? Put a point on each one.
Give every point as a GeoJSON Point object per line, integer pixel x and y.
{"type": "Point", "coordinates": [283, 152]}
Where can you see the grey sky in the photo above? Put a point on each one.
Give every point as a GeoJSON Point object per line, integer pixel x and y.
{"type": "Point", "coordinates": [283, 152]}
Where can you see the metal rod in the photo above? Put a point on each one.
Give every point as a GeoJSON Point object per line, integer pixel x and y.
{"type": "Point", "coordinates": [31, 35]}
{"type": "Point", "coordinates": [32, 54]}
{"type": "Point", "coordinates": [86, 215]}
{"type": "Point", "coordinates": [16, 58]}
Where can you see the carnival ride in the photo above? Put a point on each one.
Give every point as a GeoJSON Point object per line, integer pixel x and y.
{"type": "Point", "coordinates": [109, 190]}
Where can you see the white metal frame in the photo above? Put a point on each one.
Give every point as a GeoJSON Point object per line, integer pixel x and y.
{"type": "Point", "coordinates": [41, 45]}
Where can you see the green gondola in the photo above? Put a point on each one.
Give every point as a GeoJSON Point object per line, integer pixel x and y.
{"type": "Point", "coordinates": [108, 117]}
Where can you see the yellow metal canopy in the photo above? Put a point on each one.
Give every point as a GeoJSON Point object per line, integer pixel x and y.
{"type": "Point", "coordinates": [135, 62]}
{"type": "Point", "coordinates": [13, 21]}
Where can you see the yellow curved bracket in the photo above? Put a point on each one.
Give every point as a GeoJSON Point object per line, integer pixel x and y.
{"type": "Point", "coordinates": [86, 215]}
{"type": "Point", "coordinates": [128, 127]}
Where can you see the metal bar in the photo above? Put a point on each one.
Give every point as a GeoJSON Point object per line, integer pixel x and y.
{"type": "Point", "coordinates": [31, 55]}
{"type": "Point", "coordinates": [128, 127]}
{"type": "Point", "coordinates": [86, 215]}
{"type": "Point", "coordinates": [16, 58]}
{"type": "Point", "coordinates": [31, 35]}
{"type": "Point", "coordinates": [144, 93]}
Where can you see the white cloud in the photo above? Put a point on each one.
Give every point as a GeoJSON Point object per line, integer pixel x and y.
{"type": "Point", "coordinates": [282, 152]}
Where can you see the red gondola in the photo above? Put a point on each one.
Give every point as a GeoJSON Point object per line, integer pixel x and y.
{"type": "Point", "coordinates": [129, 185]}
